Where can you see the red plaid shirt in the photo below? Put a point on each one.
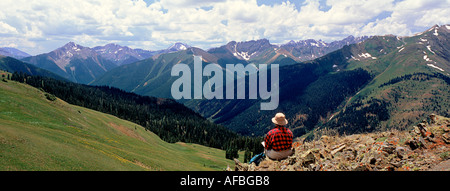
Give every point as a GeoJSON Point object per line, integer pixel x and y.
{"type": "Point", "coordinates": [278, 139]}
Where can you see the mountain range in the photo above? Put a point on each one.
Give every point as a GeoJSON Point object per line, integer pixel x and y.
{"type": "Point", "coordinates": [73, 62]}
{"type": "Point", "coordinates": [353, 85]}
{"type": "Point", "coordinates": [342, 89]}
{"type": "Point", "coordinates": [122, 55]}
{"type": "Point", "coordinates": [84, 65]}
{"type": "Point", "coordinates": [152, 76]}
{"type": "Point", "coordinates": [13, 52]}
{"type": "Point", "coordinates": [380, 83]}
{"type": "Point", "coordinates": [311, 49]}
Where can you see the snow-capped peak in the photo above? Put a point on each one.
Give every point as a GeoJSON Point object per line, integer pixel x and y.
{"type": "Point", "coordinates": [72, 47]}
{"type": "Point", "coordinates": [178, 46]}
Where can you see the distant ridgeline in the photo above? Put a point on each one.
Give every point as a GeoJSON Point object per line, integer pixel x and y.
{"type": "Point", "coordinates": [170, 120]}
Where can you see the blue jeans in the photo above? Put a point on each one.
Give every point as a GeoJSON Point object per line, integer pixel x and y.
{"type": "Point", "coordinates": [257, 158]}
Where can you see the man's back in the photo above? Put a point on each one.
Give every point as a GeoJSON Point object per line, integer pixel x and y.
{"type": "Point", "coordinates": [279, 139]}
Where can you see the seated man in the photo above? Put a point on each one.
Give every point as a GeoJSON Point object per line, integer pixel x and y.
{"type": "Point", "coordinates": [278, 141]}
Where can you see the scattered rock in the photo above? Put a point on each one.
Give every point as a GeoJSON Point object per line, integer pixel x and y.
{"type": "Point", "coordinates": [388, 148]}
{"type": "Point", "coordinates": [240, 166]}
{"type": "Point", "coordinates": [338, 149]}
{"type": "Point", "coordinates": [446, 138]}
{"type": "Point", "coordinates": [308, 158]}
{"type": "Point", "coordinates": [400, 151]}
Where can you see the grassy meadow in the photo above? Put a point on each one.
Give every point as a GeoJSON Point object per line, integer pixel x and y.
{"type": "Point", "coordinates": [37, 134]}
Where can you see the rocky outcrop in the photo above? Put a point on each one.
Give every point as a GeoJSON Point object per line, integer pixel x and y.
{"type": "Point", "coordinates": [425, 147]}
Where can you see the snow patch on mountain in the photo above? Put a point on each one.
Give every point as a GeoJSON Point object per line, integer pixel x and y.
{"type": "Point", "coordinates": [182, 47]}
{"type": "Point", "coordinates": [355, 58]}
{"type": "Point", "coordinates": [433, 66]}
{"type": "Point", "coordinates": [243, 55]}
{"type": "Point", "coordinates": [366, 55]}
{"type": "Point", "coordinates": [426, 58]}
{"type": "Point", "coordinates": [436, 31]}
{"type": "Point", "coordinates": [429, 48]}
{"type": "Point", "coordinates": [178, 46]}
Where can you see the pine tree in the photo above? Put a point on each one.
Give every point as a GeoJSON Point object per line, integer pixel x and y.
{"type": "Point", "coordinates": [247, 156]}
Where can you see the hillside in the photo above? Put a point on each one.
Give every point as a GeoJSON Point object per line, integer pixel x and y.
{"type": "Point", "coordinates": [13, 65]}
{"type": "Point", "coordinates": [39, 134]}
{"type": "Point", "coordinates": [307, 92]}
{"type": "Point", "coordinates": [410, 75]}
{"type": "Point", "coordinates": [425, 148]}
{"type": "Point", "coordinates": [170, 120]}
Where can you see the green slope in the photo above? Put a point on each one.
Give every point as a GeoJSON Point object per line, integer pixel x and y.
{"type": "Point", "coordinates": [38, 134]}
{"type": "Point", "coordinates": [13, 65]}
{"type": "Point", "coordinates": [410, 77]}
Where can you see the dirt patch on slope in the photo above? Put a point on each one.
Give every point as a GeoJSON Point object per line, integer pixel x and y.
{"type": "Point", "coordinates": [127, 131]}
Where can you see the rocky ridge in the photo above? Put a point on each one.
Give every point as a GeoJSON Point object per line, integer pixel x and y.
{"type": "Point", "coordinates": [426, 147]}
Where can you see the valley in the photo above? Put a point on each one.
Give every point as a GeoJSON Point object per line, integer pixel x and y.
{"type": "Point", "coordinates": [118, 108]}
{"type": "Point", "coordinates": [343, 88]}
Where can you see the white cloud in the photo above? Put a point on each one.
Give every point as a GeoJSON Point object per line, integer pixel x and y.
{"type": "Point", "coordinates": [385, 26]}
{"type": "Point", "coordinates": [6, 29]}
{"type": "Point", "coordinates": [48, 24]}
{"type": "Point", "coordinates": [434, 12]}
{"type": "Point", "coordinates": [188, 3]}
{"type": "Point", "coordinates": [342, 12]}
{"type": "Point", "coordinates": [410, 14]}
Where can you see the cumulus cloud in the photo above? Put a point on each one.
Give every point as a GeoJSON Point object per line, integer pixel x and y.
{"type": "Point", "coordinates": [43, 25]}
{"type": "Point", "coordinates": [409, 17]}
{"type": "Point", "coordinates": [6, 29]}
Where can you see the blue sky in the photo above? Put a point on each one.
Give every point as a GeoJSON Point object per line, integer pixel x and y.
{"type": "Point", "coordinates": [40, 26]}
